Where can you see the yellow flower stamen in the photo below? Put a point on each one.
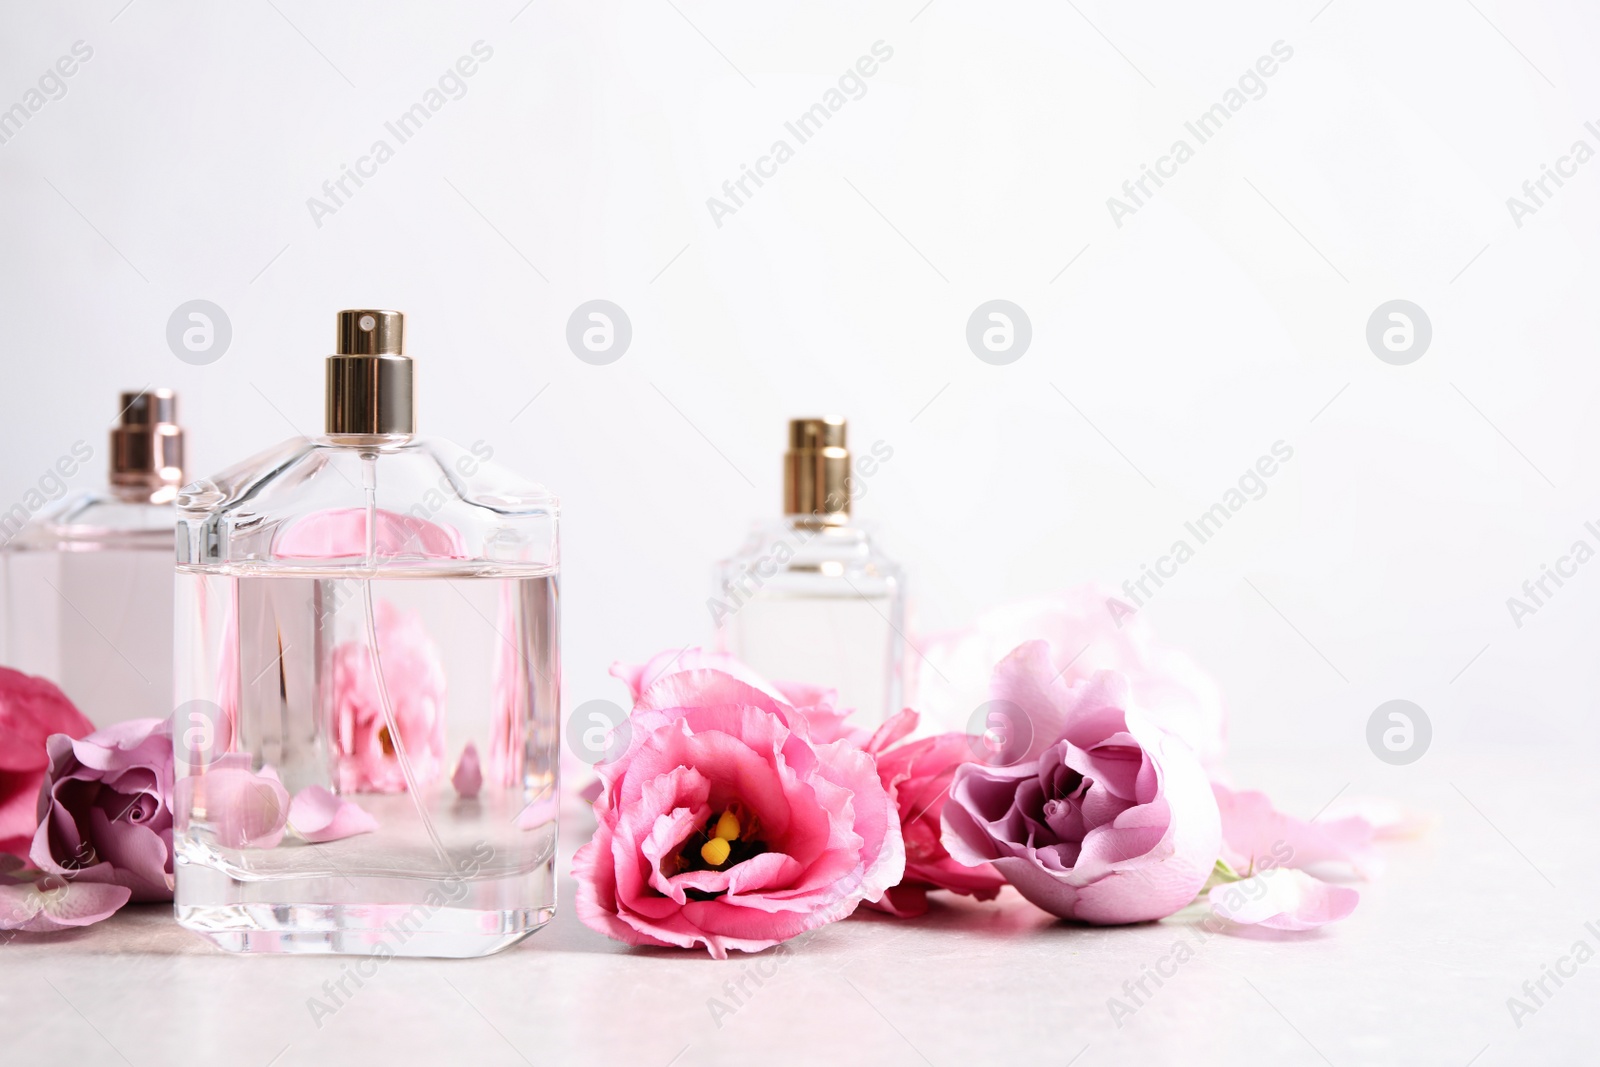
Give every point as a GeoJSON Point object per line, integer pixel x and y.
{"type": "Point", "coordinates": [715, 851]}
{"type": "Point", "coordinates": [727, 827]}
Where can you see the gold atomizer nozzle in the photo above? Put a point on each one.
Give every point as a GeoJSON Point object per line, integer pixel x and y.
{"type": "Point", "coordinates": [816, 471]}
{"type": "Point", "coordinates": [370, 377]}
{"type": "Point", "coordinates": [147, 443]}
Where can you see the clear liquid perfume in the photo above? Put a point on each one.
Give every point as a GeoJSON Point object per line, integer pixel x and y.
{"type": "Point", "coordinates": [88, 581]}
{"type": "Point", "coordinates": [368, 619]}
{"type": "Point", "coordinates": [811, 597]}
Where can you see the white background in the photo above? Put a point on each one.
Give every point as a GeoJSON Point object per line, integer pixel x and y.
{"type": "Point", "coordinates": [1226, 314]}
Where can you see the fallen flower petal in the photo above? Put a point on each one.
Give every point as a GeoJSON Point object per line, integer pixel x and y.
{"type": "Point", "coordinates": [319, 816]}
{"type": "Point", "coordinates": [1253, 831]}
{"type": "Point", "coordinates": [243, 809]}
{"type": "Point", "coordinates": [52, 903]}
{"type": "Point", "coordinates": [1283, 898]}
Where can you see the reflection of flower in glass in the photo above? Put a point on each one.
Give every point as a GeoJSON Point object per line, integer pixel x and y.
{"type": "Point", "coordinates": [509, 699]}
{"type": "Point", "coordinates": [413, 676]}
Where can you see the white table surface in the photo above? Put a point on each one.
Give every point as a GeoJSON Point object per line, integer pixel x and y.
{"type": "Point", "coordinates": [1421, 973]}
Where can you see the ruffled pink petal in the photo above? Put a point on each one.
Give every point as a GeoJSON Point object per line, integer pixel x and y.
{"type": "Point", "coordinates": [468, 776]}
{"type": "Point", "coordinates": [1283, 899]}
{"type": "Point", "coordinates": [896, 728]}
{"type": "Point", "coordinates": [319, 816]}
{"type": "Point", "coordinates": [640, 677]}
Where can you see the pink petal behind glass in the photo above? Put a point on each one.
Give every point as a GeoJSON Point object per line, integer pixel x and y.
{"type": "Point", "coordinates": [319, 816]}
{"type": "Point", "coordinates": [341, 532]}
{"type": "Point", "coordinates": [468, 777]}
{"type": "Point", "coordinates": [539, 813]}
{"type": "Point", "coordinates": [1283, 899]}
{"type": "Point", "coordinates": [245, 809]}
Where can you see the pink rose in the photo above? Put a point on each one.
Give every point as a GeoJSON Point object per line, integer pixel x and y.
{"type": "Point", "coordinates": [917, 775]}
{"type": "Point", "coordinates": [726, 824]}
{"type": "Point", "coordinates": [1113, 821]}
{"type": "Point", "coordinates": [952, 677]}
{"type": "Point", "coordinates": [414, 679]}
{"type": "Point", "coordinates": [105, 812]}
{"type": "Point", "coordinates": [31, 709]}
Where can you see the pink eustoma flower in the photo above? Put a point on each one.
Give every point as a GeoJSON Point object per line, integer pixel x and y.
{"type": "Point", "coordinates": [1112, 822]}
{"type": "Point", "coordinates": [917, 775]}
{"type": "Point", "coordinates": [105, 811]}
{"type": "Point", "coordinates": [31, 709]}
{"type": "Point", "coordinates": [725, 824]}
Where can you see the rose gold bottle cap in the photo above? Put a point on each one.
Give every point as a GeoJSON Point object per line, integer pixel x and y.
{"type": "Point", "coordinates": [147, 444]}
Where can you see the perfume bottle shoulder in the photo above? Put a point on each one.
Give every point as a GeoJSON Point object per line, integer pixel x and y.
{"type": "Point", "coordinates": [99, 518]}
{"type": "Point", "coordinates": [417, 469]}
{"type": "Point", "coordinates": [402, 502]}
{"type": "Point", "coordinates": [798, 547]}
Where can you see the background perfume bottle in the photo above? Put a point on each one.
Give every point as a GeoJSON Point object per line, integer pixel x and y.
{"type": "Point", "coordinates": [373, 613]}
{"type": "Point", "coordinates": [88, 582]}
{"type": "Point", "coordinates": [811, 597]}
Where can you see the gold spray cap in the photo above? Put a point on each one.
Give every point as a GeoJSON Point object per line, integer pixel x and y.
{"type": "Point", "coordinates": [370, 377]}
{"type": "Point", "coordinates": [816, 471]}
{"type": "Point", "coordinates": [147, 444]}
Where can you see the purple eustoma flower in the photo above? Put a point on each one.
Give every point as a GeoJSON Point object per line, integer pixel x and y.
{"type": "Point", "coordinates": [105, 811]}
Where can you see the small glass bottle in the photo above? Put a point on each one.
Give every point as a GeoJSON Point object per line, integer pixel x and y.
{"type": "Point", "coordinates": [370, 615]}
{"type": "Point", "coordinates": [88, 581]}
{"type": "Point", "coordinates": [811, 597]}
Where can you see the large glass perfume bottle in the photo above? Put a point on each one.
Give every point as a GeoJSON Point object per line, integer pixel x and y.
{"type": "Point", "coordinates": [88, 581]}
{"type": "Point", "coordinates": [367, 640]}
{"type": "Point", "coordinates": [810, 597]}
